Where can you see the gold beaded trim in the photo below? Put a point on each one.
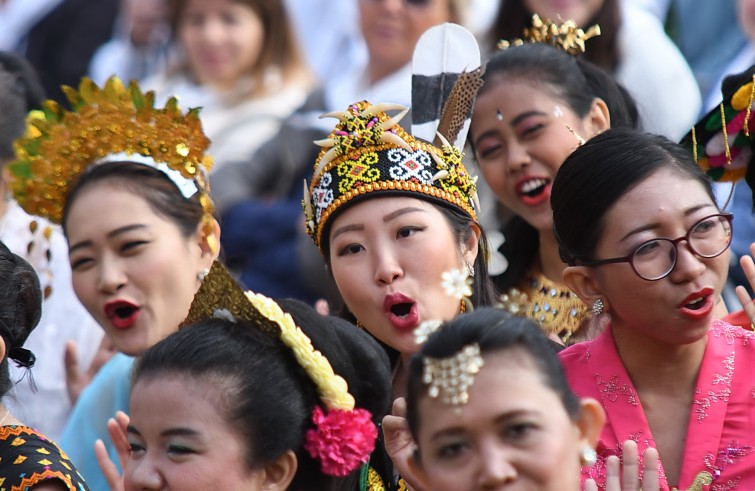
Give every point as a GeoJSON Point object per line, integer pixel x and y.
{"type": "Point", "coordinates": [390, 186]}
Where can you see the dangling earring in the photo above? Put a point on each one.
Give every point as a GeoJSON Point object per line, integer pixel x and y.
{"type": "Point", "coordinates": [580, 140]}
{"type": "Point", "coordinates": [597, 307]}
{"type": "Point", "coordinates": [463, 306]}
{"type": "Point", "coordinates": [470, 270]}
{"type": "Point", "coordinates": [360, 325]}
{"type": "Point", "coordinates": [201, 275]}
{"type": "Point", "coordinates": [588, 457]}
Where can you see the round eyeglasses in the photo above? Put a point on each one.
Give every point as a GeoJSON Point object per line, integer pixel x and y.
{"type": "Point", "coordinates": [656, 258]}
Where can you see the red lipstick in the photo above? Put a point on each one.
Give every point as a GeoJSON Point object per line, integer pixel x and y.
{"type": "Point", "coordinates": [401, 311]}
{"type": "Point", "coordinates": [122, 314]}
{"type": "Point", "coordinates": [697, 305]}
{"type": "Point", "coordinates": [533, 191]}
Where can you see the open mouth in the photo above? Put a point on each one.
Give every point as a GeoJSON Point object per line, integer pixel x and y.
{"type": "Point", "coordinates": [533, 188]}
{"type": "Point", "coordinates": [122, 314]}
{"type": "Point", "coordinates": [696, 304]}
{"type": "Point", "coordinates": [534, 191]}
{"type": "Point", "coordinates": [401, 309]}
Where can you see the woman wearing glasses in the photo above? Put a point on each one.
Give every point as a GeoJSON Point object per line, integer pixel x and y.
{"type": "Point", "coordinates": [647, 249]}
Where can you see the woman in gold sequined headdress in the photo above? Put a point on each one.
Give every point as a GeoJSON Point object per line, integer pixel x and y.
{"type": "Point", "coordinates": [537, 105]}
{"type": "Point", "coordinates": [127, 182]}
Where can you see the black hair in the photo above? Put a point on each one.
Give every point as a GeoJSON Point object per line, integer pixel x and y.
{"type": "Point", "coordinates": [597, 174]}
{"type": "Point", "coordinates": [578, 84]}
{"type": "Point", "coordinates": [268, 397]}
{"type": "Point", "coordinates": [493, 330]}
{"type": "Point", "coordinates": [20, 309]}
{"type": "Point", "coordinates": [513, 17]}
{"type": "Point", "coordinates": [20, 92]}
{"type": "Point", "coordinates": [153, 185]}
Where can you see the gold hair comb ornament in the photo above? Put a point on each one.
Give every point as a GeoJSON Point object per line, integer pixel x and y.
{"type": "Point", "coordinates": [344, 436]}
{"type": "Point", "coordinates": [566, 36]}
{"type": "Point", "coordinates": [107, 124]}
{"type": "Point", "coordinates": [450, 378]}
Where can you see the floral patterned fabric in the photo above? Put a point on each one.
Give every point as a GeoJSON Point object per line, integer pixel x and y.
{"type": "Point", "coordinates": [27, 458]}
{"type": "Point", "coordinates": [720, 444]}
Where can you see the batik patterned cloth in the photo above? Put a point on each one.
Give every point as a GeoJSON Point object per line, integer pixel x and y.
{"type": "Point", "coordinates": [720, 444]}
{"type": "Point", "coordinates": [27, 458]}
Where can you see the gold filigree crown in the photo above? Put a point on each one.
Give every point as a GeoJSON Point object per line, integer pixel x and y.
{"type": "Point", "coordinates": [106, 124]}
{"type": "Point", "coordinates": [566, 36]}
{"type": "Point", "coordinates": [369, 152]}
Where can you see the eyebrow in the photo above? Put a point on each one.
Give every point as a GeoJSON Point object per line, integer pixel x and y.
{"type": "Point", "coordinates": [402, 211]}
{"type": "Point", "coordinates": [110, 235]}
{"type": "Point", "coordinates": [180, 431]}
{"type": "Point", "coordinates": [654, 225]}
{"type": "Point", "coordinates": [524, 116]}
{"type": "Point", "coordinates": [513, 123]}
{"type": "Point", "coordinates": [458, 430]}
{"type": "Point", "coordinates": [387, 218]}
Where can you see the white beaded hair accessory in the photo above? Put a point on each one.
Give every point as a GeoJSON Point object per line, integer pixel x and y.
{"type": "Point", "coordinates": [450, 378]}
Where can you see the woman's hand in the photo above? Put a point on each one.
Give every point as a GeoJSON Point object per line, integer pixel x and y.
{"type": "Point", "coordinates": [748, 267]}
{"type": "Point", "coordinates": [399, 443]}
{"type": "Point", "coordinates": [76, 379]}
{"type": "Point", "coordinates": [629, 479]}
{"type": "Point", "coordinates": [117, 429]}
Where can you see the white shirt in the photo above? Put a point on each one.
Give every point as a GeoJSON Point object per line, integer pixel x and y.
{"type": "Point", "coordinates": [63, 319]}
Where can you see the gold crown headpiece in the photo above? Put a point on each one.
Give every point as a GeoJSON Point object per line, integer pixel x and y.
{"type": "Point", "coordinates": [219, 296]}
{"type": "Point", "coordinates": [369, 152]}
{"type": "Point", "coordinates": [107, 124]}
{"type": "Point", "coordinates": [566, 36]}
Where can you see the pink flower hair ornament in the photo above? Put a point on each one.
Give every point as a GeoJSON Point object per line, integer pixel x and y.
{"type": "Point", "coordinates": [341, 440]}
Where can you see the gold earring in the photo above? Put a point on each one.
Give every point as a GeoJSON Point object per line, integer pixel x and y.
{"type": "Point", "coordinates": [580, 140]}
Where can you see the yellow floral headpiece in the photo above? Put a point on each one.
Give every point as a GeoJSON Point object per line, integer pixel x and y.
{"type": "Point", "coordinates": [219, 296]}
{"type": "Point", "coordinates": [104, 125]}
{"type": "Point", "coordinates": [566, 36]}
{"type": "Point", "coordinates": [369, 152]}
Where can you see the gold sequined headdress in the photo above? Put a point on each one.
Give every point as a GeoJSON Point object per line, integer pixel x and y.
{"type": "Point", "coordinates": [107, 124]}
{"type": "Point", "coordinates": [345, 435]}
{"type": "Point", "coordinates": [566, 36]}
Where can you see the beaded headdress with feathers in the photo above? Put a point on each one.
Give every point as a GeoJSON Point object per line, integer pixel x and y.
{"type": "Point", "coordinates": [369, 152]}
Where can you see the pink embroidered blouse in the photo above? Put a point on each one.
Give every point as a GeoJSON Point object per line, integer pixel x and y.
{"type": "Point", "coordinates": [720, 447]}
